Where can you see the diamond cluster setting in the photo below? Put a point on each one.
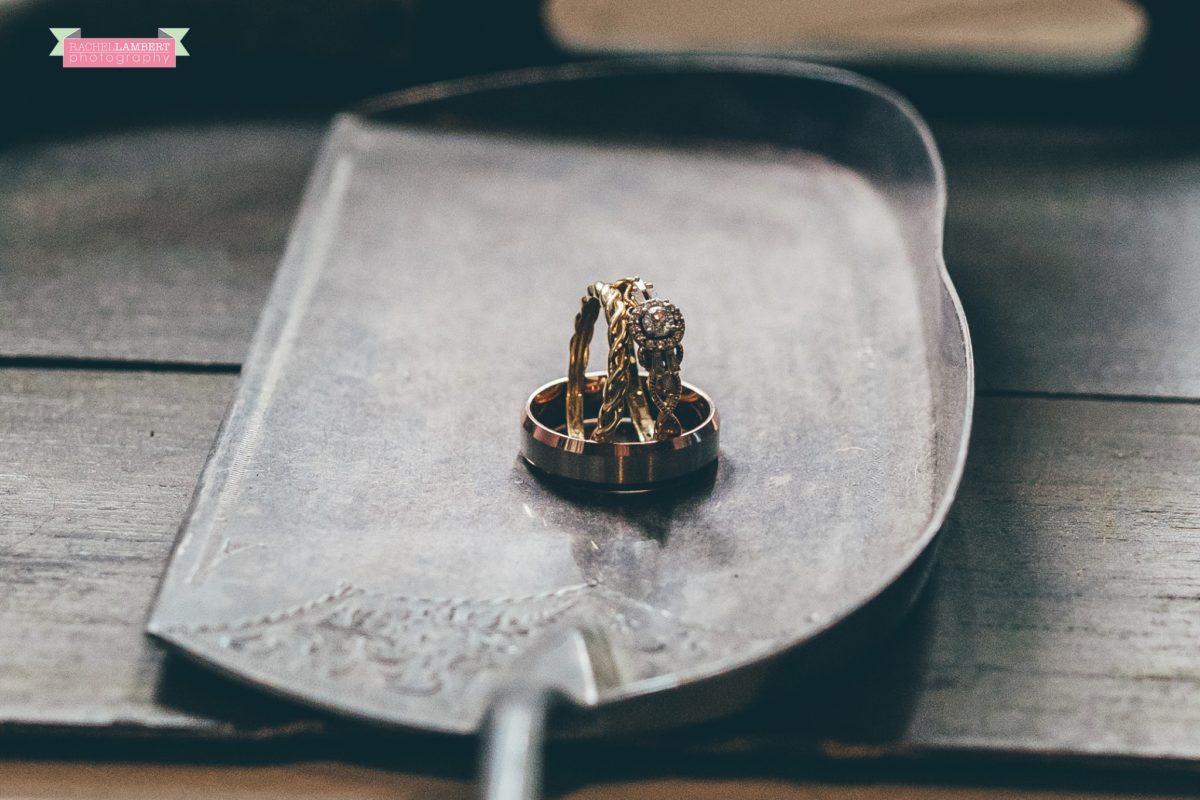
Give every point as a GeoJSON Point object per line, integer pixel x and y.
{"type": "Point", "coordinates": [657, 325]}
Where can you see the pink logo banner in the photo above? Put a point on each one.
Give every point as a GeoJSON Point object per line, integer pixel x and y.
{"type": "Point", "coordinates": [80, 52]}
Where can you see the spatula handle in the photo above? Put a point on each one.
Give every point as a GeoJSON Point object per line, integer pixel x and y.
{"type": "Point", "coordinates": [512, 750]}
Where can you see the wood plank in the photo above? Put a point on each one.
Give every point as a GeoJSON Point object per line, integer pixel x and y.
{"type": "Point", "coordinates": [1076, 36]}
{"type": "Point", "coordinates": [1074, 251]}
{"type": "Point", "coordinates": [153, 245]}
{"type": "Point", "coordinates": [1065, 608]}
{"type": "Point", "coordinates": [1061, 619]}
{"type": "Point", "coordinates": [98, 470]}
{"type": "Point", "coordinates": [317, 780]}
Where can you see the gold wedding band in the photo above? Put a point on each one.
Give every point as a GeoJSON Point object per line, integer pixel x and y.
{"type": "Point", "coordinates": [616, 466]}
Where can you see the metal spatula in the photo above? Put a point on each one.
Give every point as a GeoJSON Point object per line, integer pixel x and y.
{"type": "Point", "coordinates": [364, 538]}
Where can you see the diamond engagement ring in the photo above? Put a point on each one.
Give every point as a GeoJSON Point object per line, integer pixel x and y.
{"type": "Point", "coordinates": [658, 332]}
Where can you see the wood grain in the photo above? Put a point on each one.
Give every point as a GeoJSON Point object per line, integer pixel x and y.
{"type": "Point", "coordinates": [98, 469]}
{"type": "Point", "coordinates": [1075, 253]}
{"type": "Point", "coordinates": [91, 781]}
{"type": "Point", "coordinates": [23, 780]}
{"type": "Point", "coordinates": [1066, 605]}
{"type": "Point", "coordinates": [156, 244]}
{"type": "Point", "coordinates": [1061, 619]}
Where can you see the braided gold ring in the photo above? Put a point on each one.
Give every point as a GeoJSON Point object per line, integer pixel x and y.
{"type": "Point", "coordinates": [624, 388]}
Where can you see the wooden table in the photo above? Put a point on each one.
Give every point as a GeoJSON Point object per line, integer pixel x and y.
{"type": "Point", "coordinates": [1060, 632]}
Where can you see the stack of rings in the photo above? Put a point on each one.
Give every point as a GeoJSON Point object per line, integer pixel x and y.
{"type": "Point", "coordinates": [626, 430]}
{"type": "Point", "coordinates": [641, 330]}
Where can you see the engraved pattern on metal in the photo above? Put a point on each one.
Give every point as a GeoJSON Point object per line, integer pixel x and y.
{"type": "Point", "coordinates": [355, 640]}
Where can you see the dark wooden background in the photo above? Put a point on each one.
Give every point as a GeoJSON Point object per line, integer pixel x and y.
{"type": "Point", "coordinates": [1062, 625]}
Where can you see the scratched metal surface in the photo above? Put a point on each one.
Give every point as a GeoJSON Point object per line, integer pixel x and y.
{"type": "Point", "coordinates": [363, 537]}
